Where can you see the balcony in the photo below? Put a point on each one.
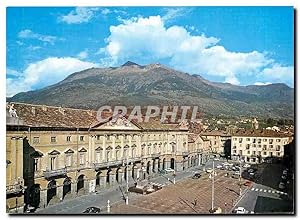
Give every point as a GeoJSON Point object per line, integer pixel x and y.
{"type": "Point", "coordinates": [185, 153]}
{"type": "Point", "coordinates": [53, 173]}
{"type": "Point", "coordinates": [155, 155]}
{"type": "Point", "coordinates": [14, 188]}
{"type": "Point", "coordinates": [109, 164]}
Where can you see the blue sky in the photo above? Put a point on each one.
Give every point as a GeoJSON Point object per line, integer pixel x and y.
{"type": "Point", "coordinates": [238, 45]}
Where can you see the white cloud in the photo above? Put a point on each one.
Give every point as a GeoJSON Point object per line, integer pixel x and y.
{"type": "Point", "coordinates": [278, 74]}
{"type": "Point", "coordinates": [45, 72]}
{"type": "Point", "coordinates": [173, 13]}
{"type": "Point", "coordinates": [79, 15]}
{"type": "Point", "coordinates": [262, 83]}
{"type": "Point", "coordinates": [33, 48]}
{"type": "Point", "coordinates": [150, 40]}
{"type": "Point", "coordinates": [83, 54]}
{"type": "Point", "coordinates": [28, 34]}
{"type": "Point", "coordinates": [12, 72]}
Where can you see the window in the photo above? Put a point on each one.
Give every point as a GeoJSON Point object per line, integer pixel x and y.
{"type": "Point", "coordinates": [81, 159]}
{"type": "Point", "coordinates": [277, 140]}
{"type": "Point", "coordinates": [108, 156]}
{"type": "Point", "coordinates": [234, 151]}
{"type": "Point", "coordinates": [81, 138]}
{"type": "Point", "coordinates": [259, 153]}
{"type": "Point", "coordinates": [98, 137]}
{"type": "Point", "coordinates": [142, 151]}
{"type": "Point", "coordinates": [265, 153]}
{"type": "Point", "coordinates": [259, 146]}
{"type": "Point", "coordinates": [271, 154]}
{"type": "Point", "coordinates": [248, 152]}
{"type": "Point", "coordinates": [53, 139]}
{"type": "Point", "coordinates": [98, 156]}
{"type": "Point", "coordinates": [68, 138]}
{"type": "Point", "coordinates": [254, 145]}
{"type": "Point", "coordinates": [265, 140]}
{"type": "Point", "coordinates": [253, 152]}
{"type": "Point", "coordinates": [278, 154]}
{"type": "Point", "coordinates": [271, 146]}
{"type": "Point", "coordinates": [36, 140]}
{"type": "Point", "coordinates": [52, 163]}
{"type": "Point", "coordinates": [259, 141]}
{"type": "Point", "coordinates": [149, 151]}
{"type": "Point", "coordinates": [241, 140]}
{"type": "Point", "coordinates": [265, 147]}
{"type": "Point", "coordinates": [247, 146]}
{"type": "Point", "coordinates": [133, 152]}
{"type": "Point", "coordinates": [278, 148]}
{"type": "Point", "coordinates": [36, 164]}
{"type": "Point", "coordinates": [270, 141]}
{"type": "Point", "coordinates": [254, 140]}
{"type": "Point", "coordinates": [234, 147]}
{"type": "Point", "coordinates": [117, 154]}
{"type": "Point", "coordinates": [234, 139]}
{"type": "Point", "coordinates": [248, 139]}
{"type": "Point", "coordinates": [68, 160]}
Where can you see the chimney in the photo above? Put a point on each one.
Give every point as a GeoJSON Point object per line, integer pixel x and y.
{"type": "Point", "coordinates": [44, 107]}
{"type": "Point", "coordinates": [61, 110]}
{"type": "Point", "coordinates": [33, 110]}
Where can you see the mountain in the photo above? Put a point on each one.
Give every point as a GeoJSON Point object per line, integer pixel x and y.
{"type": "Point", "coordinates": [155, 84]}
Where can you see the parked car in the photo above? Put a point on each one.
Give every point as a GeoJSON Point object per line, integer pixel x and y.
{"type": "Point", "coordinates": [285, 172]}
{"type": "Point", "coordinates": [240, 210]}
{"type": "Point", "coordinates": [196, 176]}
{"type": "Point", "coordinates": [92, 210]}
{"type": "Point", "coordinates": [217, 159]}
{"type": "Point", "coordinates": [209, 170]}
{"type": "Point", "coordinates": [283, 177]}
{"type": "Point", "coordinates": [169, 170]}
{"type": "Point", "coordinates": [237, 172]}
{"type": "Point", "coordinates": [247, 165]}
{"type": "Point", "coordinates": [219, 166]}
{"type": "Point", "coordinates": [281, 185]}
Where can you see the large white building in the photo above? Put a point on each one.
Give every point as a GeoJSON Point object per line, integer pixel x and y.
{"type": "Point", "coordinates": [255, 145]}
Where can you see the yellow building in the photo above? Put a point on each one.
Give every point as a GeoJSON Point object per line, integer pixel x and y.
{"type": "Point", "coordinates": [56, 153]}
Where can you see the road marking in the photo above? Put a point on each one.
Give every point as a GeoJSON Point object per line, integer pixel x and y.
{"type": "Point", "coordinates": [269, 190]}
{"type": "Point", "coordinates": [252, 189]}
{"type": "Point", "coordinates": [277, 191]}
{"type": "Point", "coordinates": [265, 190]}
{"type": "Point", "coordinates": [256, 190]}
{"type": "Point", "coordinates": [281, 193]}
{"type": "Point", "coordinates": [273, 191]}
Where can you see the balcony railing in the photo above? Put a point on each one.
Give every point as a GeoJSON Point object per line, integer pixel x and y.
{"type": "Point", "coordinates": [57, 172]}
{"type": "Point", "coordinates": [108, 163]}
{"type": "Point", "coordinates": [14, 188]}
{"type": "Point", "coordinates": [155, 155]}
{"type": "Point", "coordinates": [185, 153]}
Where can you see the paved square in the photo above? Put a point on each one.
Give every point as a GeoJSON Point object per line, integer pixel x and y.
{"type": "Point", "coordinates": [189, 196]}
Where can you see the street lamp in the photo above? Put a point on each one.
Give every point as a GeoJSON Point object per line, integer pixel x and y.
{"type": "Point", "coordinates": [126, 180]}
{"type": "Point", "coordinates": [240, 178]}
{"type": "Point", "coordinates": [213, 187]}
{"type": "Point", "coordinates": [174, 175]}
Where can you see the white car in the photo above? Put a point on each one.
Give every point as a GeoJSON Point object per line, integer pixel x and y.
{"type": "Point", "coordinates": [169, 170]}
{"type": "Point", "coordinates": [281, 185]}
{"type": "Point", "coordinates": [247, 165]}
{"type": "Point", "coordinates": [284, 172]}
{"type": "Point", "coordinates": [237, 172]}
{"type": "Point", "coordinates": [240, 210]}
{"type": "Point", "coordinates": [219, 166]}
{"type": "Point", "coordinates": [217, 159]}
{"type": "Point", "coordinates": [209, 170]}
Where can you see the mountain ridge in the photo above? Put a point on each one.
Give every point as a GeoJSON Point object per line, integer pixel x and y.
{"type": "Point", "coordinates": [155, 84]}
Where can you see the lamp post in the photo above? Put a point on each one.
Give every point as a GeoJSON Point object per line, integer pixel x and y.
{"type": "Point", "coordinates": [126, 180]}
{"type": "Point", "coordinates": [174, 175]}
{"type": "Point", "coordinates": [240, 178]}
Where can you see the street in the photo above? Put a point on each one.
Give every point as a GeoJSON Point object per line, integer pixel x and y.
{"type": "Point", "coordinates": [265, 197]}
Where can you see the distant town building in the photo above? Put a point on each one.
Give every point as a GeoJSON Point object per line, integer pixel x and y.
{"type": "Point", "coordinates": [256, 145]}
{"type": "Point", "coordinates": [255, 124]}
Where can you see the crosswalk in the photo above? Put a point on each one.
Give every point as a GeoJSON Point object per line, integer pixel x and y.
{"type": "Point", "coordinates": [269, 191]}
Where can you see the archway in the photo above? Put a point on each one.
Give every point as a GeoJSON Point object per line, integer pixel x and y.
{"type": "Point", "coordinates": [67, 187]}
{"type": "Point", "coordinates": [98, 179]}
{"type": "Point", "coordinates": [117, 174]}
{"type": "Point", "coordinates": [108, 176]}
{"type": "Point", "coordinates": [80, 183]}
{"type": "Point", "coordinates": [148, 167]}
{"type": "Point", "coordinates": [173, 163]}
{"type": "Point", "coordinates": [164, 164]}
{"type": "Point", "coordinates": [51, 190]}
{"type": "Point", "coordinates": [192, 161]}
{"type": "Point", "coordinates": [158, 164]}
{"type": "Point", "coordinates": [153, 165]}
